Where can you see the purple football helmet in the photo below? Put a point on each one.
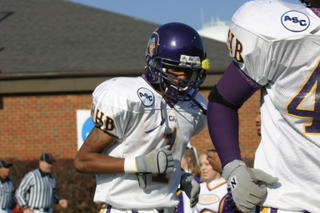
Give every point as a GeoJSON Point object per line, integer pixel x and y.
{"type": "Point", "coordinates": [306, 2]}
{"type": "Point", "coordinates": [179, 47]}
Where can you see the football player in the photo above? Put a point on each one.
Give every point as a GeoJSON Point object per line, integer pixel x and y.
{"type": "Point", "coordinates": [143, 125]}
{"type": "Point", "coordinates": [276, 48]}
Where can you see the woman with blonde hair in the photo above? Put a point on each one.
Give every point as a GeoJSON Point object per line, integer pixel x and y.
{"type": "Point", "coordinates": [214, 196]}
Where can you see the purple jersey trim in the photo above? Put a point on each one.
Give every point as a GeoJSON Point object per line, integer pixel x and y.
{"type": "Point", "coordinates": [180, 206]}
{"type": "Point", "coordinates": [227, 205]}
{"type": "Point", "coordinates": [259, 209]}
{"type": "Point", "coordinates": [316, 11]}
{"type": "Point", "coordinates": [223, 122]}
{"type": "Point", "coordinates": [109, 209]}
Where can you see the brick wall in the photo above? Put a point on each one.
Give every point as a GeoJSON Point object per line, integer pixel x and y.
{"type": "Point", "coordinates": [34, 124]}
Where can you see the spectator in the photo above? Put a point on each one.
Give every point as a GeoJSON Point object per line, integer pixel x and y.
{"type": "Point", "coordinates": [7, 188]}
{"type": "Point", "coordinates": [214, 196]}
{"type": "Point", "coordinates": [37, 190]}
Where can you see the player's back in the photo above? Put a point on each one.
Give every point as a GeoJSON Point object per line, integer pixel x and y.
{"type": "Point", "coordinates": [280, 50]}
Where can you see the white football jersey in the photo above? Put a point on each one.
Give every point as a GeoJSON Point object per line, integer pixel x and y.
{"type": "Point", "coordinates": [277, 44]}
{"type": "Point", "coordinates": [131, 110]}
{"type": "Point", "coordinates": [211, 196]}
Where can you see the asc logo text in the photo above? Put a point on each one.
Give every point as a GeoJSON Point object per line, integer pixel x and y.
{"type": "Point", "coordinates": [295, 21]}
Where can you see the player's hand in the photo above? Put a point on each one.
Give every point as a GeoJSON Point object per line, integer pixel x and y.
{"type": "Point", "coordinates": [248, 185]}
{"type": "Point", "coordinates": [158, 161]}
{"type": "Point", "coordinates": [191, 187]}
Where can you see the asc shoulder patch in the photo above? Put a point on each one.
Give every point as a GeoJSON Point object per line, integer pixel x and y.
{"type": "Point", "coordinates": [295, 21]}
{"type": "Point", "coordinates": [146, 96]}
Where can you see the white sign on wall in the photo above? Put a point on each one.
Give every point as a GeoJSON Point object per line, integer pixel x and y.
{"type": "Point", "coordinates": [84, 125]}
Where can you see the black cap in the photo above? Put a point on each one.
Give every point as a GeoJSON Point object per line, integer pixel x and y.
{"type": "Point", "coordinates": [47, 157]}
{"type": "Point", "coordinates": [5, 164]}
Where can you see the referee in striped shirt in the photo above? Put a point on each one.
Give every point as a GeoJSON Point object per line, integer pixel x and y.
{"type": "Point", "coordinates": [7, 188]}
{"type": "Point", "coordinates": [37, 190]}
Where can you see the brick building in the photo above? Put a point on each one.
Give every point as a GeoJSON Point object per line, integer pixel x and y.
{"type": "Point", "coordinates": [52, 55]}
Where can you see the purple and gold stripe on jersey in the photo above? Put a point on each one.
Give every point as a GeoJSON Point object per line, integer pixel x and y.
{"type": "Point", "coordinates": [210, 188]}
{"type": "Point", "coordinates": [227, 205]}
{"type": "Point", "coordinates": [261, 209]}
{"type": "Point", "coordinates": [316, 11]}
{"type": "Point", "coordinates": [206, 211]}
{"type": "Point", "coordinates": [106, 208]}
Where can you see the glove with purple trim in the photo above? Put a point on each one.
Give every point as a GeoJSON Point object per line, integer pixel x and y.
{"type": "Point", "coordinates": [248, 186]}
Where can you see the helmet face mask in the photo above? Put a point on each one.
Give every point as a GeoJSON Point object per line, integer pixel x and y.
{"type": "Point", "coordinates": [176, 47]}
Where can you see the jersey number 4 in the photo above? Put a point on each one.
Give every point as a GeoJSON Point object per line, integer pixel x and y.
{"type": "Point", "coordinates": [310, 91]}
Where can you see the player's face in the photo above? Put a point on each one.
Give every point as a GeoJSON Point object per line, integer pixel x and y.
{"type": "Point", "coordinates": [4, 172]}
{"type": "Point", "coordinates": [45, 167]}
{"type": "Point", "coordinates": [180, 74]}
{"type": "Point", "coordinates": [207, 173]}
{"type": "Point", "coordinates": [174, 76]}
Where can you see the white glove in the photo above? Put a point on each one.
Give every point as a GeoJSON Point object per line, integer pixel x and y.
{"type": "Point", "coordinates": [248, 185]}
{"type": "Point", "coordinates": [158, 161]}
{"type": "Point", "coordinates": [191, 187]}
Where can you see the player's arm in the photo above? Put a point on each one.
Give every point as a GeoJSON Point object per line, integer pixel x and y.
{"type": "Point", "coordinates": [226, 97]}
{"type": "Point", "coordinates": [90, 159]}
{"type": "Point", "coordinates": [248, 186]}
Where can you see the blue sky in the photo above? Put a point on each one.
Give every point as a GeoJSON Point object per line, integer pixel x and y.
{"type": "Point", "coordinates": [192, 12]}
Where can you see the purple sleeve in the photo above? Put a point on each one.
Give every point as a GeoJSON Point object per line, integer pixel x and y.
{"type": "Point", "coordinates": [223, 123]}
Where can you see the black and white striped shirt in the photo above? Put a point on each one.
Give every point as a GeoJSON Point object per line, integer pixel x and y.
{"type": "Point", "coordinates": [37, 190]}
{"type": "Point", "coordinates": [7, 189]}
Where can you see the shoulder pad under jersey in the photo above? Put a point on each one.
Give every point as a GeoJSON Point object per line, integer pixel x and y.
{"type": "Point", "coordinates": [275, 19]}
